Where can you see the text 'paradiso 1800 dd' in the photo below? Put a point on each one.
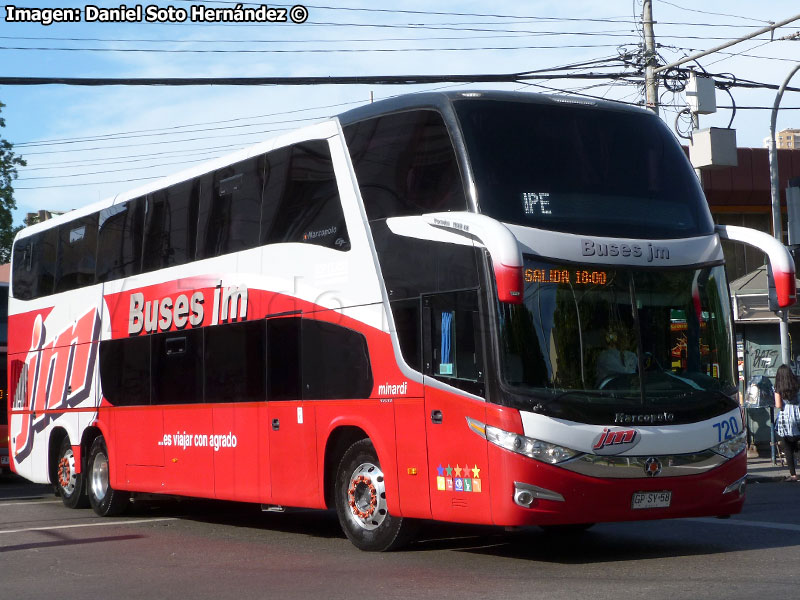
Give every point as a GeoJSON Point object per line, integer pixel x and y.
{"type": "Point", "coordinates": [481, 307]}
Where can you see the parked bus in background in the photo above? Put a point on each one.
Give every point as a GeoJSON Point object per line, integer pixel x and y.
{"type": "Point", "coordinates": [483, 307]}
{"type": "Point", "coordinates": [4, 438]}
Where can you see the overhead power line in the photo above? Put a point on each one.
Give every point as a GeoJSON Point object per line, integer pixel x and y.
{"type": "Point", "coordinates": [91, 183]}
{"type": "Point", "coordinates": [620, 19]}
{"type": "Point", "coordinates": [178, 128]}
{"type": "Point", "coordinates": [716, 14]}
{"type": "Point", "coordinates": [297, 50]}
{"type": "Point", "coordinates": [728, 44]}
{"type": "Point", "coordinates": [521, 34]}
{"type": "Point", "coordinates": [333, 80]}
{"type": "Point", "coordinates": [100, 138]}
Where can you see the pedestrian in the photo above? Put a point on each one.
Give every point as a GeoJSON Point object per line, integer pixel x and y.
{"type": "Point", "coordinates": [787, 427]}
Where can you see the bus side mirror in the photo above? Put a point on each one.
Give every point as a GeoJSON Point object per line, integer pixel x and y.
{"type": "Point", "coordinates": [781, 264]}
{"type": "Point", "coordinates": [467, 228]}
{"type": "Point", "coordinates": [497, 239]}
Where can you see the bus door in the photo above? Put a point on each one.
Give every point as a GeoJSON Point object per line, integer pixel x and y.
{"type": "Point", "coordinates": [235, 385]}
{"type": "Point", "coordinates": [290, 421]}
{"type": "Point", "coordinates": [457, 457]}
{"type": "Point", "coordinates": [177, 381]}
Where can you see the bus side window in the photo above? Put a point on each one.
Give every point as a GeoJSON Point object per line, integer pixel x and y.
{"type": "Point", "coordinates": [234, 362]}
{"type": "Point", "coordinates": [35, 265]}
{"type": "Point", "coordinates": [177, 367]}
{"type": "Point", "coordinates": [23, 282]}
{"type": "Point", "coordinates": [3, 326]}
{"type": "Point", "coordinates": [405, 164]}
{"type": "Point", "coordinates": [283, 359]}
{"type": "Point", "coordinates": [119, 240]}
{"type": "Point", "coordinates": [18, 384]}
{"type": "Point", "coordinates": [171, 226]}
{"type": "Point", "coordinates": [408, 323]}
{"type": "Point", "coordinates": [125, 370]}
{"type": "Point", "coordinates": [301, 201]}
{"type": "Point", "coordinates": [452, 337]}
{"type": "Point", "coordinates": [77, 244]}
{"type": "Point", "coordinates": [316, 360]}
{"type": "Point", "coordinates": [230, 209]}
{"type": "Point", "coordinates": [335, 362]}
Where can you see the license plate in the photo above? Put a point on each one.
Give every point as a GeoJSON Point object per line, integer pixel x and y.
{"type": "Point", "coordinates": [651, 500]}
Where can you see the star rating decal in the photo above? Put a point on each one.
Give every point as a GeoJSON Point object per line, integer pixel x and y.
{"type": "Point", "coordinates": [458, 478]}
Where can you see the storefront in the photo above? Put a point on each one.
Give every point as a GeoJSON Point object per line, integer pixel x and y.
{"type": "Point", "coordinates": [759, 347]}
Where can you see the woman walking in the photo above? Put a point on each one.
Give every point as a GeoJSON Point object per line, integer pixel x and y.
{"type": "Point", "coordinates": [788, 425]}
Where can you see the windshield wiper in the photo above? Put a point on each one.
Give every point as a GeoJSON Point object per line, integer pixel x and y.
{"type": "Point", "coordinates": [543, 403]}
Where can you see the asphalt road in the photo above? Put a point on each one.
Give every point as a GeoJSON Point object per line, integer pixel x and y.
{"type": "Point", "coordinates": [197, 549]}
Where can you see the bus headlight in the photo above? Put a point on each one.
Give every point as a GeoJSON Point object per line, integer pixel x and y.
{"type": "Point", "coordinates": [732, 447]}
{"type": "Point", "coordinates": [520, 444]}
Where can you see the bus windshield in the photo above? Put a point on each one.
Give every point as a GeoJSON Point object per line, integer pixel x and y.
{"type": "Point", "coordinates": [644, 340]}
{"type": "Point", "coordinates": [561, 167]}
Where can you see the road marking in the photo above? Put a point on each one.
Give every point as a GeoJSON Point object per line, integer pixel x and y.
{"type": "Point", "coordinates": [765, 525]}
{"type": "Point", "coordinates": [30, 503]}
{"type": "Point", "coordinates": [137, 522]}
{"type": "Point", "coordinates": [4, 500]}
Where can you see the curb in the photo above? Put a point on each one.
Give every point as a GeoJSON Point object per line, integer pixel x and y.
{"type": "Point", "coordinates": [765, 478]}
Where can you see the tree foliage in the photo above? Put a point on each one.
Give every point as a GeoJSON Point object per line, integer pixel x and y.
{"type": "Point", "coordinates": [8, 172]}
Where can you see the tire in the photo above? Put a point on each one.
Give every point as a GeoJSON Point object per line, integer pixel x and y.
{"type": "Point", "coordinates": [361, 505]}
{"type": "Point", "coordinates": [105, 500]}
{"type": "Point", "coordinates": [69, 484]}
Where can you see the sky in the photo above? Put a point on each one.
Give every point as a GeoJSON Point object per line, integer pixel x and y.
{"type": "Point", "coordinates": [83, 144]}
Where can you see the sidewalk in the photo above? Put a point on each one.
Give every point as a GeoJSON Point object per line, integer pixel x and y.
{"type": "Point", "coordinates": [761, 470]}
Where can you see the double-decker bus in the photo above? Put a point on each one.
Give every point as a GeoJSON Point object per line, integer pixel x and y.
{"type": "Point", "coordinates": [484, 307]}
{"type": "Point", "coordinates": [4, 439]}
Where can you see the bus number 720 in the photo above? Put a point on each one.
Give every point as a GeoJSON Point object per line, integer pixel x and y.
{"type": "Point", "coordinates": [727, 429]}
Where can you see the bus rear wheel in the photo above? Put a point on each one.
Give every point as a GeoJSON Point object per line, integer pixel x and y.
{"type": "Point", "coordinates": [69, 483]}
{"type": "Point", "coordinates": [105, 500]}
{"type": "Point", "coordinates": [361, 502]}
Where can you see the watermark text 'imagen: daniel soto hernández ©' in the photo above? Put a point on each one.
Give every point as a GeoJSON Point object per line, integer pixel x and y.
{"type": "Point", "coordinates": [153, 13]}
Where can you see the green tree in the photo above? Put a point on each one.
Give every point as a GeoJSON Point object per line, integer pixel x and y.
{"type": "Point", "coordinates": [8, 173]}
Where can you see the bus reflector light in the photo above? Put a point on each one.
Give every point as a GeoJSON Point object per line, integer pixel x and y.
{"type": "Point", "coordinates": [738, 486]}
{"type": "Point", "coordinates": [509, 283]}
{"type": "Point", "coordinates": [785, 287]}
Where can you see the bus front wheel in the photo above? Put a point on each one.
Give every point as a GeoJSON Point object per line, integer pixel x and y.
{"type": "Point", "coordinates": [361, 502]}
{"type": "Point", "coordinates": [105, 500]}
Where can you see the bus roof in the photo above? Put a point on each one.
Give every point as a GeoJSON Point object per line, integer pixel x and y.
{"type": "Point", "coordinates": [442, 101]}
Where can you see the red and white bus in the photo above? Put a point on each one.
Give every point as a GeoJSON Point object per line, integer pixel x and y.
{"type": "Point", "coordinates": [485, 307]}
{"type": "Point", "coordinates": [4, 438]}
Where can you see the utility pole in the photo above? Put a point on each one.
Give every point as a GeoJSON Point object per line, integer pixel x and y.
{"type": "Point", "coordinates": [651, 83]}
{"type": "Point", "coordinates": [786, 355]}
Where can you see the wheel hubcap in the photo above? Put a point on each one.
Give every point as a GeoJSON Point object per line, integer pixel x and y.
{"type": "Point", "coordinates": [67, 478]}
{"type": "Point", "coordinates": [99, 476]}
{"type": "Point", "coordinates": [366, 497]}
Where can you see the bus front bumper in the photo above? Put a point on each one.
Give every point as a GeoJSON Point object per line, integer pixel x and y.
{"type": "Point", "coordinates": [528, 492]}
